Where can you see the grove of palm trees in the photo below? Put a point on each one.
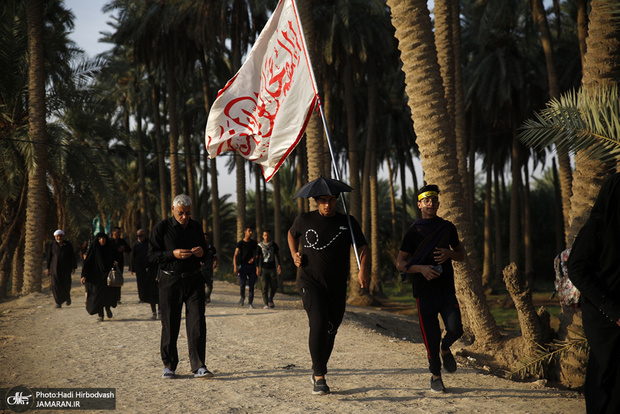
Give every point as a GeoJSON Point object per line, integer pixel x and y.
{"type": "Point", "coordinates": [510, 106]}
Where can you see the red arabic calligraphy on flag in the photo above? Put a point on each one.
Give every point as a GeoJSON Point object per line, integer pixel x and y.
{"type": "Point", "coordinates": [263, 110]}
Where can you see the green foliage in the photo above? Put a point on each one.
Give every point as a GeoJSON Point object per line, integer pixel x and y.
{"type": "Point", "coordinates": [582, 121]}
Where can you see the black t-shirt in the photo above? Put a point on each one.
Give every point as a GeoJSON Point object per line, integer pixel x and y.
{"type": "Point", "coordinates": [247, 251]}
{"type": "Point", "coordinates": [447, 238]}
{"type": "Point", "coordinates": [325, 247]}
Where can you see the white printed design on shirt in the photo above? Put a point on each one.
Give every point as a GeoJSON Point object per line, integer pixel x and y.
{"type": "Point", "coordinates": [313, 235]}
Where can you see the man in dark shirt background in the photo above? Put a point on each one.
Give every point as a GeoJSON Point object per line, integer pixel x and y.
{"type": "Point", "coordinates": [209, 264]}
{"type": "Point", "coordinates": [244, 262]}
{"type": "Point", "coordinates": [177, 246]}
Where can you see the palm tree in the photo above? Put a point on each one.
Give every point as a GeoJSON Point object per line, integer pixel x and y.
{"type": "Point", "coordinates": [414, 33]}
{"type": "Point", "coordinates": [584, 121]}
{"type": "Point", "coordinates": [595, 103]}
{"type": "Point", "coordinates": [566, 173]}
{"type": "Point", "coordinates": [36, 210]}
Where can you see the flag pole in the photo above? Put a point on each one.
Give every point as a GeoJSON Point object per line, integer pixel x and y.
{"type": "Point", "coordinates": [329, 141]}
{"type": "Point", "coordinates": [337, 174]}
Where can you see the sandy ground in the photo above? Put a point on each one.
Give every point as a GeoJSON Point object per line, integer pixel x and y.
{"type": "Point", "coordinates": [259, 357]}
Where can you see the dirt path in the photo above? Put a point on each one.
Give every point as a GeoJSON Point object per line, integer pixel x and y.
{"type": "Point", "coordinates": [260, 360]}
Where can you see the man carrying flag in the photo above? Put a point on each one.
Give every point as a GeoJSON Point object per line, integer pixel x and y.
{"type": "Point", "coordinates": [263, 110]}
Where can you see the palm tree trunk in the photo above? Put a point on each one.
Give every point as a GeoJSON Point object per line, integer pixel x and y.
{"type": "Point", "coordinates": [144, 220]}
{"type": "Point", "coordinates": [370, 171]}
{"type": "Point", "coordinates": [460, 122]}
{"type": "Point", "coordinates": [240, 181]}
{"type": "Point", "coordinates": [215, 207]}
{"type": "Point", "coordinates": [18, 269]}
{"type": "Point", "coordinates": [277, 222]}
{"type": "Point", "coordinates": [566, 173]}
{"type": "Point", "coordinates": [404, 226]}
{"type": "Point", "coordinates": [499, 255]}
{"type": "Point", "coordinates": [582, 28]}
{"type": "Point", "coordinates": [36, 210]}
{"type": "Point", "coordinates": [444, 41]}
{"type": "Point", "coordinates": [415, 36]}
{"type": "Point", "coordinates": [601, 64]}
{"type": "Point", "coordinates": [600, 68]}
{"type": "Point", "coordinates": [159, 142]}
{"type": "Point", "coordinates": [175, 184]}
{"type": "Point", "coordinates": [487, 266]}
{"type": "Point", "coordinates": [205, 194]}
{"type": "Point", "coordinates": [258, 205]}
{"type": "Point", "coordinates": [534, 332]}
{"type": "Point", "coordinates": [515, 212]}
{"type": "Point", "coordinates": [327, 98]}
{"type": "Point", "coordinates": [14, 215]}
{"type": "Point", "coordinates": [560, 237]}
{"type": "Point", "coordinates": [189, 165]}
{"type": "Point", "coordinates": [314, 129]}
{"type": "Point", "coordinates": [527, 227]}
{"type": "Point", "coordinates": [395, 235]}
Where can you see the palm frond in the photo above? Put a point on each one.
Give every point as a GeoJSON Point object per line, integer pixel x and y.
{"type": "Point", "coordinates": [583, 121]}
{"type": "Point", "coordinates": [537, 363]}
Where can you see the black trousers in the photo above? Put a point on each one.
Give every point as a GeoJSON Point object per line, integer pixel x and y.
{"type": "Point", "coordinates": [325, 311]}
{"type": "Point", "coordinates": [175, 291]}
{"type": "Point", "coordinates": [247, 274]}
{"type": "Point", "coordinates": [269, 280]}
{"type": "Point", "coordinates": [428, 310]}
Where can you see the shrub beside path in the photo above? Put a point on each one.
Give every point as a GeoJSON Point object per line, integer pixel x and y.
{"type": "Point", "coordinates": [260, 359]}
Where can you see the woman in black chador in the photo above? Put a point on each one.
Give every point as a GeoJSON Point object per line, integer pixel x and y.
{"type": "Point", "coordinates": [99, 260]}
{"type": "Point", "coordinates": [594, 268]}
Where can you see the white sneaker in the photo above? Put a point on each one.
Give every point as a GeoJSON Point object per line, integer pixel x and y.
{"type": "Point", "coordinates": [203, 373]}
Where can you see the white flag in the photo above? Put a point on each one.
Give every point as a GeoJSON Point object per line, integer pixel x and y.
{"type": "Point", "coordinates": [263, 110]}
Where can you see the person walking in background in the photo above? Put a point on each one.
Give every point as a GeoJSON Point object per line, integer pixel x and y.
{"type": "Point", "coordinates": [177, 246]}
{"type": "Point", "coordinates": [244, 262]}
{"type": "Point", "coordinates": [60, 265]}
{"type": "Point", "coordinates": [146, 274]}
{"type": "Point", "coordinates": [99, 261]}
{"type": "Point", "coordinates": [269, 268]}
{"type": "Point", "coordinates": [426, 252]}
{"type": "Point", "coordinates": [594, 269]}
{"type": "Point", "coordinates": [326, 239]}
{"type": "Point", "coordinates": [209, 264]}
{"type": "Point", "coordinates": [120, 247]}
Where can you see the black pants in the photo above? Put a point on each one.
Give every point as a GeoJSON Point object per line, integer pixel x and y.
{"type": "Point", "coordinates": [175, 291]}
{"type": "Point", "coordinates": [428, 309]}
{"type": "Point", "coordinates": [325, 311]}
{"type": "Point", "coordinates": [269, 280]}
{"type": "Point", "coordinates": [247, 274]}
{"type": "Point", "coordinates": [207, 277]}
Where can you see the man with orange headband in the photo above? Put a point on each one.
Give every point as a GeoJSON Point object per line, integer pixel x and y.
{"type": "Point", "coordinates": [426, 255]}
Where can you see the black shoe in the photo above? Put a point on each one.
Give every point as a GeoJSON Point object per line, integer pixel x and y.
{"type": "Point", "coordinates": [240, 303]}
{"type": "Point", "coordinates": [58, 306]}
{"type": "Point", "coordinates": [437, 385]}
{"type": "Point", "coordinates": [320, 386]}
{"type": "Point", "coordinates": [108, 313]}
{"type": "Point", "coordinates": [449, 363]}
{"type": "Point", "coordinates": [68, 301]}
